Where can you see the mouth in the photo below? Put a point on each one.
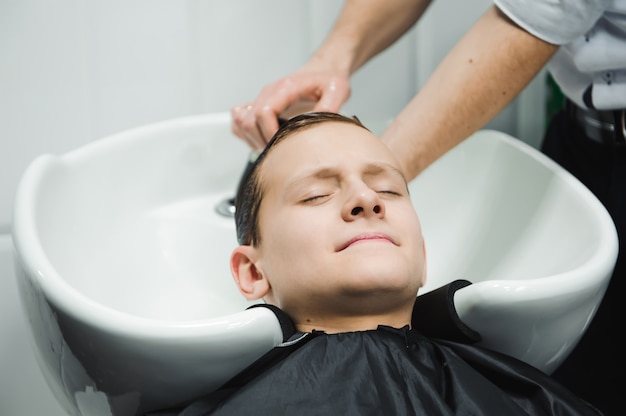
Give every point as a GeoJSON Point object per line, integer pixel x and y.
{"type": "Point", "coordinates": [367, 237]}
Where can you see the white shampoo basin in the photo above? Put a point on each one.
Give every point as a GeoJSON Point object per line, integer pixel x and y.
{"type": "Point", "coordinates": [122, 260]}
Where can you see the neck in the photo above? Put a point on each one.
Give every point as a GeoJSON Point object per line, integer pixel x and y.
{"type": "Point", "coordinates": [337, 324]}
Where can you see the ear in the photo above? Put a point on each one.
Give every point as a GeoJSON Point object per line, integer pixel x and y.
{"type": "Point", "coordinates": [249, 278]}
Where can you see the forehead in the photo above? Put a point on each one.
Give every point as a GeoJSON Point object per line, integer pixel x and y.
{"type": "Point", "coordinates": [325, 145]}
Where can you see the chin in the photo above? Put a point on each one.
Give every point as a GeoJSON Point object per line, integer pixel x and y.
{"type": "Point", "coordinates": [377, 279]}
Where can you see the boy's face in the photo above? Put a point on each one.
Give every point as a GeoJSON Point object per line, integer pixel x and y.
{"type": "Point", "coordinates": [337, 225]}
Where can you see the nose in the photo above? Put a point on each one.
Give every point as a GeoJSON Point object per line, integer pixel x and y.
{"type": "Point", "coordinates": [363, 202]}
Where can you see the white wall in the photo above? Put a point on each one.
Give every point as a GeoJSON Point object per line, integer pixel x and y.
{"type": "Point", "coordinates": [72, 71]}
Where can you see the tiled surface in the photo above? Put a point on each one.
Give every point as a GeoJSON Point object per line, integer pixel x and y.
{"type": "Point", "coordinates": [23, 391]}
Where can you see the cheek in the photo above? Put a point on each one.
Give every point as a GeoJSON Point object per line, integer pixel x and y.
{"type": "Point", "coordinates": [285, 263]}
{"type": "Point", "coordinates": [286, 236]}
{"type": "Point", "coordinates": [412, 229]}
{"type": "Point", "coordinates": [408, 217]}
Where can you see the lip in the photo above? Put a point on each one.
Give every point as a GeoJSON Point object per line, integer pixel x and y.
{"type": "Point", "coordinates": [367, 237]}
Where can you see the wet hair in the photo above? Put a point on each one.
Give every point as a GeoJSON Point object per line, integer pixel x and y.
{"type": "Point", "coordinates": [250, 190]}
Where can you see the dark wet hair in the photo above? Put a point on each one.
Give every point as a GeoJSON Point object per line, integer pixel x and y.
{"type": "Point", "coordinates": [250, 191]}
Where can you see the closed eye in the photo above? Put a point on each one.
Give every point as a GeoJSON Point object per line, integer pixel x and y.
{"type": "Point", "coordinates": [314, 198]}
{"type": "Point", "coordinates": [389, 192]}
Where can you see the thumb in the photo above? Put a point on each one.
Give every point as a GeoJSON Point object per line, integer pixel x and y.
{"type": "Point", "coordinates": [333, 97]}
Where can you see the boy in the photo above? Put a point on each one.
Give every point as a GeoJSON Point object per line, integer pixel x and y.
{"type": "Point", "coordinates": [331, 241]}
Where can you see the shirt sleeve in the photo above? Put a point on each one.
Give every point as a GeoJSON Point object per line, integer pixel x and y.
{"type": "Point", "coordinates": [555, 21]}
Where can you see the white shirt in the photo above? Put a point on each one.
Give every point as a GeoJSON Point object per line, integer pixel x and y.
{"type": "Point", "coordinates": [593, 38]}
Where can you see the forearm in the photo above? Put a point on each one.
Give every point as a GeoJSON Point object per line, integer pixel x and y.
{"type": "Point", "coordinates": [364, 29]}
{"type": "Point", "coordinates": [483, 73]}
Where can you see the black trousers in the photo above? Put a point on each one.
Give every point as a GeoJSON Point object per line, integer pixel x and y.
{"type": "Point", "coordinates": [594, 370]}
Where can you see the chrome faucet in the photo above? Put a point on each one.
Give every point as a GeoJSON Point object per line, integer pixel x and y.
{"type": "Point", "coordinates": [226, 207]}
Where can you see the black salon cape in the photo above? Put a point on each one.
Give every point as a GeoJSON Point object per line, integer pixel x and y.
{"type": "Point", "coordinates": [387, 371]}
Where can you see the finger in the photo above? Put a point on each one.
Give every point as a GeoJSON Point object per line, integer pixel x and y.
{"type": "Point", "coordinates": [267, 123]}
{"type": "Point", "coordinates": [238, 116]}
{"type": "Point", "coordinates": [244, 126]}
{"type": "Point", "coordinates": [333, 96]}
{"type": "Point", "coordinates": [271, 104]}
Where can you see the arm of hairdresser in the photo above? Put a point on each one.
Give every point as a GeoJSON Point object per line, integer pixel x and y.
{"type": "Point", "coordinates": [484, 72]}
{"type": "Point", "coordinates": [364, 28]}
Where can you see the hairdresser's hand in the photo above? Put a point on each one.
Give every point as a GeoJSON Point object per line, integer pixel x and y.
{"type": "Point", "coordinates": [304, 90]}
